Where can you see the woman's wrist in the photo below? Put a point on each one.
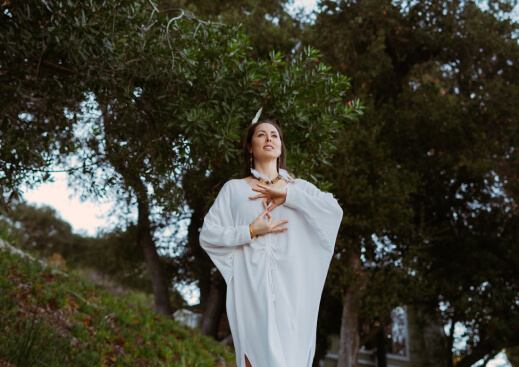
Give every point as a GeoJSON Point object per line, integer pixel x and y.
{"type": "Point", "coordinates": [252, 234]}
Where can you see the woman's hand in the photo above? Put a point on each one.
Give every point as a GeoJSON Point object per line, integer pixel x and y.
{"type": "Point", "coordinates": [261, 226]}
{"type": "Point", "coordinates": [269, 195]}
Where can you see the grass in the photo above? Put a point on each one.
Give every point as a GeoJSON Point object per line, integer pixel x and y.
{"type": "Point", "coordinates": [51, 319]}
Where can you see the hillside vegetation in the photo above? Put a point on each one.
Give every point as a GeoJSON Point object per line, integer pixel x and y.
{"type": "Point", "coordinates": [50, 318]}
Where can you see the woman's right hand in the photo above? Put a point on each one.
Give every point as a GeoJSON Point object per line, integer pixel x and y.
{"type": "Point", "coordinates": [261, 226]}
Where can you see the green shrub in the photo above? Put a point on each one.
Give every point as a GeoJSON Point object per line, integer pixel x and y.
{"type": "Point", "coordinates": [52, 319]}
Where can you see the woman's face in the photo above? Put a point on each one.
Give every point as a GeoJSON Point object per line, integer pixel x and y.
{"type": "Point", "coordinates": [266, 143]}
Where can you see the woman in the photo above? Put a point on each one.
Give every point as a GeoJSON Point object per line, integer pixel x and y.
{"type": "Point", "coordinates": [272, 238]}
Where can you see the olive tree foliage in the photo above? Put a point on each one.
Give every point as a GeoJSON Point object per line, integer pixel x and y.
{"type": "Point", "coordinates": [34, 92]}
{"type": "Point", "coordinates": [267, 23]}
{"type": "Point", "coordinates": [440, 78]}
{"type": "Point", "coordinates": [147, 99]}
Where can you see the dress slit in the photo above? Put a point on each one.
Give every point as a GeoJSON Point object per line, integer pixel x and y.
{"type": "Point", "coordinates": [247, 362]}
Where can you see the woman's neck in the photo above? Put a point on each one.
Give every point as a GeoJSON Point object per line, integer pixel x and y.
{"type": "Point", "coordinates": [268, 168]}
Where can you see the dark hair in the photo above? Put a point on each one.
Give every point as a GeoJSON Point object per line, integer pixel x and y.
{"type": "Point", "coordinates": [282, 160]}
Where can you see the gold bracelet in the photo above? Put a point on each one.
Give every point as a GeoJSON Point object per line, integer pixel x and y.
{"type": "Point", "coordinates": [252, 235]}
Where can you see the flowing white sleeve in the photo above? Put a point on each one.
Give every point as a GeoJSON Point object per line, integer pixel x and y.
{"type": "Point", "coordinates": [219, 236]}
{"type": "Point", "coordinates": [320, 209]}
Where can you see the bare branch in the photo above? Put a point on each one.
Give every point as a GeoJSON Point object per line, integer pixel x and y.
{"type": "Point", "coordinates": [59, 68]}
{"type": "Point", "coordinates": [43, 48]}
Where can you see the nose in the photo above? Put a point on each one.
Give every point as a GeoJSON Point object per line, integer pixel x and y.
{"type": "Point", "coordinates": [268, 137]}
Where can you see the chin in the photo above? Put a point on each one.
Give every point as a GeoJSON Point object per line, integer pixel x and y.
{"type": "Point", "coordinates": [270, 156]}
{"type": "Point", "coordinates": [267, 155]}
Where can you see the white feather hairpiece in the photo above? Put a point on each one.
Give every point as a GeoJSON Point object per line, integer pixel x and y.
{"type": "Point", "coordinates": [256, 118]}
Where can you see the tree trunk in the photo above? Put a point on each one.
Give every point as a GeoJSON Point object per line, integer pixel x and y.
{"type": "Point", "coordinates": [145, 240]}
{"type": "Point", "coordinates": [349, 339]}
{"type": "Point", "coordinates": [202, 265]}
{"type": "Point", "coordinates": [215, 307]}
{"type": "Point", "coordinates": [381, 348]}
{"type": "Point", "coordinates": [158, 280]}
{"type": "Point", "coordinates": [450, 341]}
{"type": "Point", "coordinates": [350, 336]}
{"type": "Point", "coordinates": [129, 170]}
{"type": "Point", "coordinates": [211, 283]}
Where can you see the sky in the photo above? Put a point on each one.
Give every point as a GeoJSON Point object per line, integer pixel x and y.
{"type": "Point", "coordinates": [308, 5]}
{"type": "Point", "coordinates": [88, 218]}
{"type": "Point", "coordinates": [85, 217]}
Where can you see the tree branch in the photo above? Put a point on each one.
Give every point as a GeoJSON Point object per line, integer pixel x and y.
{"type": "Point", "coordinates": [59, 68]}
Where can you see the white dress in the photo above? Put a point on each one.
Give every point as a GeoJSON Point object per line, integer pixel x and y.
{"type": "Point", "coordinates": [275, 281]}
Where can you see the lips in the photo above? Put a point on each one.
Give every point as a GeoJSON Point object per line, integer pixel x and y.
{"type": "Point", "coordinates": [268, 146]}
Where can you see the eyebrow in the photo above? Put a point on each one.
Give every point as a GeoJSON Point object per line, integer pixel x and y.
{"type": "Point", "coordinates": [272, 131]}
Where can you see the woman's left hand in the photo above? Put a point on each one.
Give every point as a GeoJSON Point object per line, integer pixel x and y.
{"type": "Point", "coordinates": [270, 195]}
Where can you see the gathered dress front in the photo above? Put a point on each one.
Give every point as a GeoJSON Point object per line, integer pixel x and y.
{"type": "Point", "coordinates": [274, 281]}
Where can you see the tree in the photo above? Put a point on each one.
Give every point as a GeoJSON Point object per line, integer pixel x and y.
{"type": "Point", "coordinates": [92, 56]}
{"type": "Point", "coordinates": [442, 103]}
{"type": "Point", "coordinates": [40, 230]}
{"type": "Point", "coordinates": [366, 276]}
